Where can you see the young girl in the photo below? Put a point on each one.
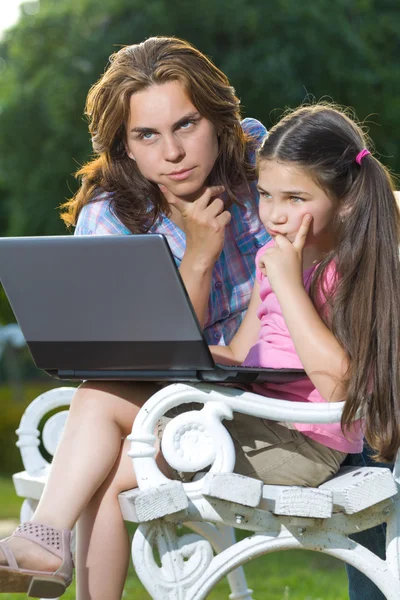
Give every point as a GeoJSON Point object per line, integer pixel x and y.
{"type": "Point", "coordinates": [326, 294]}
{"type": "Point", "coordinates": [172, 157]}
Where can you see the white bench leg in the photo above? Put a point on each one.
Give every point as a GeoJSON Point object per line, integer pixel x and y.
{"type": "Point", "coordinates": [27, 509]}
{"type": "Point", "coordinates": [184, 559]}
{"type": "Point", "coordinates": [222, 537]}
{"type": "Point", "coordinates": [393, 538]}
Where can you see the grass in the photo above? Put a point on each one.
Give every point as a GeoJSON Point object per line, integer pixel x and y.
{"type": "Point", "coordinates": [290, 575]}
{"type": "Point", "coordinates": [10, 504]}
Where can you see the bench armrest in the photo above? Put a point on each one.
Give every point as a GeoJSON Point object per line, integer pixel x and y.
{"type": "Point", "coordinates": [28, 430]}
{"type": "Point", "coordinates": [213, 446]}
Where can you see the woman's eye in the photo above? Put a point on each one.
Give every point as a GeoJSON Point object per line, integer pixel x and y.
{"type": "Point", "coordinates": [264, 195]}
{"type": "Point", "coordinates": [146, 136]}
{"type": "Point", "coordinates": [186, 124]}
{"type": "Point", "coordinates": [296, 199]}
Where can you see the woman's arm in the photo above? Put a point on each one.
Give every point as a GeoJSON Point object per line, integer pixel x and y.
{"type": "Point", "coordinates": [197, 278]}
{"type": "Point", "coordinates": [203, 220]}
{"type": "Point", "coordinates": [245, 337]}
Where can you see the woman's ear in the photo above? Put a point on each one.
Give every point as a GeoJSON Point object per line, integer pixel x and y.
{"type": "Point", "coordinates": [129, 153]}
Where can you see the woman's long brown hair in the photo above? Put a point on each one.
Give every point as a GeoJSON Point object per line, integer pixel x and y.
{"type": "Point", "coordinates": [364, 307]}
{"type": "Point", "coordinates": [136, 201]}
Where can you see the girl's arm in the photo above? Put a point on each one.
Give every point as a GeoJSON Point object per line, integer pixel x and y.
{"type": "Point", "coordinates": [245, 337]}
{"type": "Point", "coordinates": [321, 355]}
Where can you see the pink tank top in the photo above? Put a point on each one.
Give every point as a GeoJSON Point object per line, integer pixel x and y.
{"type": "Point", "coordinates": [274, 348]}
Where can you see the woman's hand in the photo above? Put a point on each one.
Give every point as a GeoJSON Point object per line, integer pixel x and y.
{"type": "Point", "coordinates": [283, 263]}
{"type": "Point", "coordinates": [204, 222]}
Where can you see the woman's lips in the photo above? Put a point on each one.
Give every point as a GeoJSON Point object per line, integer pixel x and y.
{"type": "Point", "coordinates": [180, 175]}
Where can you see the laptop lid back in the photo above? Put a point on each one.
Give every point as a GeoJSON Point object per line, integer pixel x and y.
{"type": "Point", "coordinates": [79, 303]}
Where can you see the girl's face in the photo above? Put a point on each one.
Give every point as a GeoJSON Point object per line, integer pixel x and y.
{"type": "Point", "coordinates": [287, 193]}
{"type": "Point", "coordinates": [171, 142]}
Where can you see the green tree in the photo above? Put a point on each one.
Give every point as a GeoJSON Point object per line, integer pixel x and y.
{"type": "Point", "coordinates": [276, 53]}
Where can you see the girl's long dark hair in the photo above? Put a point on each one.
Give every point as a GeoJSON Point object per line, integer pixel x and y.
{"type": "Point", "coordinates": [363, 309]}
{"type": "Point", "coordinates": [136, 201]}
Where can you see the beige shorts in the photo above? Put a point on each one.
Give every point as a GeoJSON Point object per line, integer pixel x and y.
{"type": "Point", "coordinates": [273, 452]}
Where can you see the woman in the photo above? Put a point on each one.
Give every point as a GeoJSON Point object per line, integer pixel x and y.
{"type": "Point", "coordinates": [172, 157]}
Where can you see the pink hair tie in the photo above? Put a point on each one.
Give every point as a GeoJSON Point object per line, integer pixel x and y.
{"type": "Point", "coordinates": [361, 155]}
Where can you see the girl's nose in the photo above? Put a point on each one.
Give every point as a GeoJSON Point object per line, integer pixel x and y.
{"type": "Point", "coordinates": [278, 215]}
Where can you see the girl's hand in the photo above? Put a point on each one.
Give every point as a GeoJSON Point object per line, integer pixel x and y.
{"type": "Point", "coordinates": [283, 264]}
{"type": "Point", "coordinates": [204, 221]}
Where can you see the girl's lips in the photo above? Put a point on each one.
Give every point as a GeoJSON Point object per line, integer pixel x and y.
{"type": "Point", "coordinates": [179, 175]}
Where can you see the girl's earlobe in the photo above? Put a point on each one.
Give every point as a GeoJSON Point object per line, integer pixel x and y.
{"type": "Point", "coordinates": [344, 212]}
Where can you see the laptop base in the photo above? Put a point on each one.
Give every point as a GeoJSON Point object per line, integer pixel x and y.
{"type": "Point", "coordinates": [220, 374]}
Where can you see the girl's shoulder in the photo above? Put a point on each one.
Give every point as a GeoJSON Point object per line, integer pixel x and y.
{"type": "Point", "coordinates": [98, 218]}
{"type": "Point", "coordinates": [328, 281]}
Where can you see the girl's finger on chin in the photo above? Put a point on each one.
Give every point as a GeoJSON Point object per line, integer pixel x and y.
{"type": "Point", "coordinates": [280, 241]}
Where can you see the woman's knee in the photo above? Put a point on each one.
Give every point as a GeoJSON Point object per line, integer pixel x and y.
{"type": "Point", "coordinates": [120, 401]}
{"type": "Point", "coordinates": [86, 399]}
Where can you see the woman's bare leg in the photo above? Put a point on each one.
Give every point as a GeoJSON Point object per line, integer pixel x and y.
{"type": "Point", "coordinates": [101, 414]}
{"type": "Point", "coordinates": [101, 574]}
{"type": "Point", "coordinates": [102, 551]}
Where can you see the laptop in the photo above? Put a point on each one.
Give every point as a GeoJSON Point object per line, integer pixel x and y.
{"type": "Point", "coordinates": [112, 308]}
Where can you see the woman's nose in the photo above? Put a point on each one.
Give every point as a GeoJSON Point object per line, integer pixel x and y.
{"type": "Point", "coordinates": [173, 150]}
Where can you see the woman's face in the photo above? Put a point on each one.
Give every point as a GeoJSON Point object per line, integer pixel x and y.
{"type": "Point", "coordinates": [171, 142]}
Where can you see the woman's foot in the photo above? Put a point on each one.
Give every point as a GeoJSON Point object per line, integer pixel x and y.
{"type": "Point", "coordinates": [37, 560]}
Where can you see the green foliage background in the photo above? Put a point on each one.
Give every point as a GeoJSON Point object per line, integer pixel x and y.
{"type": "Point", "coordinates": [276, 53]}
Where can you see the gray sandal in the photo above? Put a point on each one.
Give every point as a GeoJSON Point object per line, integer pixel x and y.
{"type": "Point", "coordinates": [38, 584]}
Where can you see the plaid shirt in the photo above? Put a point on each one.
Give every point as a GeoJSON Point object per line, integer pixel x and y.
{"type": "Point", "coordinates": [234, 271]}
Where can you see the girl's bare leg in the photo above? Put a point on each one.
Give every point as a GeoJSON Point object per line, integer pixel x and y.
{"type": "Point", "coordinates": [101, 414]}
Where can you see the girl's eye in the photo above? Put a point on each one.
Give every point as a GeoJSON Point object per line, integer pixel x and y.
{"type": "Point", "coordinates": [296, 199]}
{"type": "Point", "coordinates": [264, 195]}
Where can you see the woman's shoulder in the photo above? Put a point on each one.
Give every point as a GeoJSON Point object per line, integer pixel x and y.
{"type": "Point", "coordinates": [98, 218]}
{"type": "Point", "coordinates": [254, 129]}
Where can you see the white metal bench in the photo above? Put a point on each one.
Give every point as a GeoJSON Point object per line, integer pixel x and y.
{"type": "Point", "coordinates": [219, 501]}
